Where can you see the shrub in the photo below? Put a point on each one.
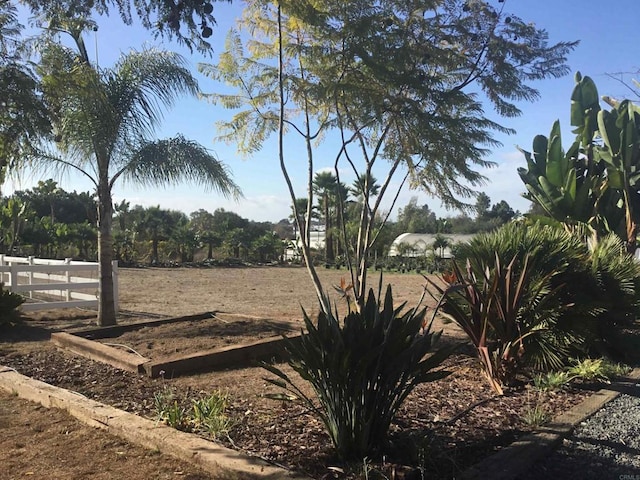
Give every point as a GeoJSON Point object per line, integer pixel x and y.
{"type": "Point", "coordinates": [362, 369]}
{"type": "Point", "coordinates": [597, 291]}
{"type": "Point", "coordinates": [615, 291]}
{"type": "Point", "coordinates": [557, 257]}
{"type": "Point", "coordinates": [504, 312]}
{"type": "Point", "coordinates": [9, 303]}
{"type": "Point", "coordinates": [598, 369]}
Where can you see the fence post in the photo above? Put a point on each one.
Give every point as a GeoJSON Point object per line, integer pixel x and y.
{"type": "Point", "coordinates": [67, 261]}
{"type": "Point", "coordinates": [30, 274]}
{"type": "Point", "coordinates": [13, 276]}
{"type": "Point", "coordinates": [2, 264]}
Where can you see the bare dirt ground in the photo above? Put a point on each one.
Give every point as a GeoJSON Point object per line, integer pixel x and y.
{"type": "Point", "coordinates": [444, 426]}
{"type": "Point", "coordinates": [276, 293]}
{"type": "Point", "coordinates": [41, 443]}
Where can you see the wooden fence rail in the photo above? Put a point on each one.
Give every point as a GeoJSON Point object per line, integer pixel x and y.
{"type": "Point", "coordinates": [49, 284]}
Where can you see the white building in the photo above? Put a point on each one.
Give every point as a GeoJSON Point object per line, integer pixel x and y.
{"type": "Point", "coordinates": [423, 243]}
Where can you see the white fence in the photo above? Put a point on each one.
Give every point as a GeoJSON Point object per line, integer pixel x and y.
{"type": "Point", "coordinates": [49, 284]}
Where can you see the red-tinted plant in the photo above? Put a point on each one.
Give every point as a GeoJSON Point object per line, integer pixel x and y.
{"type": "Point", "coordinates": [500, 311]}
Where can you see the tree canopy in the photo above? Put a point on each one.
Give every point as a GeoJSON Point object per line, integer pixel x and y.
{"type": "Point", "coordinates": [190, 22]}
{"type": "Point", "coordinates": [397, 81]}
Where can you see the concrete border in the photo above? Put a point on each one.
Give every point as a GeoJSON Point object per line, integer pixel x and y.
{"type": "Point", "coordinates": [515, 459]}
{"type": "Point", "coordinates": [220, 462]}
{"type": "Point", "coordinates": [224, 463]}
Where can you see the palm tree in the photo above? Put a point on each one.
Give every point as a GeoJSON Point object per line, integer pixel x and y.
{"type": "Point", "coordinates": [24, 117]}
{"type": "Point", "coordinates": [365, 182]}
{"type": "Point", "coordinates": [104, 120]}
{"type": "Point", "coordinates": [325, 184]}
{"type": "Point", "coordinates": [203, 223]}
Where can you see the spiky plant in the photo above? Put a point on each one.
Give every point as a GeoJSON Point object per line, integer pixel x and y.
{"type": "Point", "coordinates": [362, 369]}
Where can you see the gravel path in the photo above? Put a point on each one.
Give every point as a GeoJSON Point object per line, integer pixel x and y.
{"type": "Point", "coordinates": [605, 446]}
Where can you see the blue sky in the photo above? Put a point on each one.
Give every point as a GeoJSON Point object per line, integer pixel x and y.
{"type": "Point", "coordinates": [608, 34]}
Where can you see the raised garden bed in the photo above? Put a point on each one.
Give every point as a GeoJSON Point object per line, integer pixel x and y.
{"type": "Point", "coordinates": [180, 345]}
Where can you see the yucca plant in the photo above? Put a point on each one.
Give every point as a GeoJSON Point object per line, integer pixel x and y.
{"type": "Point", "coordinates": [362, 369]}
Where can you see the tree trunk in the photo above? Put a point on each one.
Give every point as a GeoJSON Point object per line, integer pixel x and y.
{"type": "Point", "coordinates": [154, 250]}
{"type": "Point", "coordinates": [632, 233]}
{"type": "Point", "coordinates": [106, 304]}
{"type": "Point", "coordinates": [328, 237]}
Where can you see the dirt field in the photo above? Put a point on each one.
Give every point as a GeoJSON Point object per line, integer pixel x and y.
{"type": "Point", "coordinates": [275, 293]}
{"type": "Point", "coordinates": [43, 444]}
{"type": "Point", "coordinates": [288, 434]}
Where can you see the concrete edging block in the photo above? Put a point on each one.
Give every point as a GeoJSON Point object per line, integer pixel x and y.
{"type": "Point", "coordinates": [220, 462]}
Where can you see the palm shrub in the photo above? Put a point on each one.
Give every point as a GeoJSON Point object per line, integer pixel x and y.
{"type": "Point", "coordinates": [362, 369]}
{"type": "Point", "coordinates": [553, 257]}
{"type": "Point", "coordinates": [615, 291]}
{"type": "Point", "coordinates": [587, 294]}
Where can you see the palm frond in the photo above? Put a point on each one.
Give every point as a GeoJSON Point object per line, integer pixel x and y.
{"type": "Point", "coordinates": [142, 84]}
{"type": "Point", "coordinates": [170, 161]}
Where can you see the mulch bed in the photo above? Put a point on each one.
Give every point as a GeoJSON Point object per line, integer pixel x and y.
{"type": "Point", "coordinates": [443, 427]}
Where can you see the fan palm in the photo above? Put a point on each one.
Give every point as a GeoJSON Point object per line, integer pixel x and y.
{"type": "Point", "coordinates": [104, 120]}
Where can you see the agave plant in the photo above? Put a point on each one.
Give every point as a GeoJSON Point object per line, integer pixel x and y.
{"type": "Point", "coordinates": [362, 369]}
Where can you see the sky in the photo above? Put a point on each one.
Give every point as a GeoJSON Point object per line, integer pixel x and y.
{"type": "Point", "coordinates": [608, 33]}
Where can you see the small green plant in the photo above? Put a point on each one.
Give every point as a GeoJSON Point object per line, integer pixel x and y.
{"type": "Point", "coordinates": [598, 370]}
{"type": "Point", "coordinates": [209, 414]}
{"type": "Point", "coordinates": [551, 381]}
{"type": "Point", "coordinates": [535, 415]}
{"type": "Point", "coordinates": [169, 411]}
